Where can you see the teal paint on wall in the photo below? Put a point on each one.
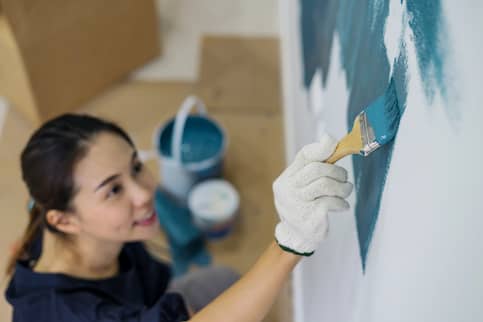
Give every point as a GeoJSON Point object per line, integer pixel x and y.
{"type": "Point", "coordinates": [360, 26]}
{"type": "Point", "coordinates": [425, 20]}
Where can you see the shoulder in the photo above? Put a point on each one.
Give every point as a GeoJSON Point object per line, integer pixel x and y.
{"type": "Point", "coordinates": [85, 306]}
{"type": "Point", "coordinates": [46, 306]}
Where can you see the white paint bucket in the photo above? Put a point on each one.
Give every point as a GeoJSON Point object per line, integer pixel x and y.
{"type": "Point", "coordinates": [214, 206]}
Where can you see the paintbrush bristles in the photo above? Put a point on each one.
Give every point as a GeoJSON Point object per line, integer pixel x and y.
{"type": "Point", "coordinates": [383, 115]}
{"type": "Point", "coordinates": [373, 127]}
{"type": "Point", "coordinates": [392, 111]}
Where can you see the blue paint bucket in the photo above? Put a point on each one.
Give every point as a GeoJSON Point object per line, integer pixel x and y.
{"type": "Point", "coordinates": [191, 148]}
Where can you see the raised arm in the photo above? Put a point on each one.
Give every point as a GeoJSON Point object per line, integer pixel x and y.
{"type": "Point", "coordinates": [252, 296]}
{"type": "Point", "coordinates": [303, 195]}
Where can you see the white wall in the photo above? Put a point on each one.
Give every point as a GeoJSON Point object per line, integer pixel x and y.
{"type": "Point", "coordinates": [426, 258]}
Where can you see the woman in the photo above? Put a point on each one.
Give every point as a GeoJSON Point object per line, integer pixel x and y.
{"type": "Point", "coordinates": [81, 258]}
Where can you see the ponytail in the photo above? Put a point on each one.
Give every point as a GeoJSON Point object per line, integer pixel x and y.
{"type": "Point", "coordinates": [33, 230]}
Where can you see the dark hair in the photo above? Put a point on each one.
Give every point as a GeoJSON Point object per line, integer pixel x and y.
{"type": "Point", "coordinates": [48, 162]}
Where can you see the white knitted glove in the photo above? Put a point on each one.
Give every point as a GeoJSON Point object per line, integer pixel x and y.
{"type": "Point", "coordinates": [304, 193]}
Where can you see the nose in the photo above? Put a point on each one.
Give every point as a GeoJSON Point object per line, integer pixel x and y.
{"type": "Point", "coordinates": [141, 194]}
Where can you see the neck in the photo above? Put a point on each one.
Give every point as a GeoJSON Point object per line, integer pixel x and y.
{"type": "Point", "coordinates": [80, 257]}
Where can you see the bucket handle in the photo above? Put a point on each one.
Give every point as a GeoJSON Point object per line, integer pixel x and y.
{"type": "Point", "coordinates": [180, 121]}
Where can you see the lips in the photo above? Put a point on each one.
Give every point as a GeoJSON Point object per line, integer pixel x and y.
{"type": "Point", "coordinates": [146, 220]}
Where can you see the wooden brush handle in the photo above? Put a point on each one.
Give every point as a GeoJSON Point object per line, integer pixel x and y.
{"type": "Point", "coordinates": [350, 144]}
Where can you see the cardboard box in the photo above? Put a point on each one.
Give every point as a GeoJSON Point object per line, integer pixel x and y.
{"type": "Point", "coordinates": [57, 54]}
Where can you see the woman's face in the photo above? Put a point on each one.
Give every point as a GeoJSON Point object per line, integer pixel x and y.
{"type": "Point", "coordinates": [114, 199]}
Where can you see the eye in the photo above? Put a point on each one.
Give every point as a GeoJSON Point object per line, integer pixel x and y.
{"type": "Point", "coordinates": [115, 190]}
{"type": "Point", "coordinates": [138, 167]}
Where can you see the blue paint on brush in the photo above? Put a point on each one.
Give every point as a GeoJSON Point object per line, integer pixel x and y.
{"type": "Point", "coordinates": [383, 115]}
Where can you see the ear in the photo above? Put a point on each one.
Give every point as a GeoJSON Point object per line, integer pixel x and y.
{"type": "Point", "coordinates": [63, 221]}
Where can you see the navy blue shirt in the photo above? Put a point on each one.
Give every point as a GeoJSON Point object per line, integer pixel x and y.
{"type": "Point", "coordinates": [137, 293]}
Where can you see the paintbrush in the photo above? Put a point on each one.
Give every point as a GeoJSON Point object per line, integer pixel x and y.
{"type": "Point", "coordinates": [375, 126]}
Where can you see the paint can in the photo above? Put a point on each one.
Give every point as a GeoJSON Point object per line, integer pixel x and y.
{"type": "Point", "coordinates": [214, 207]}
{"type": "Point", "coordinates": [191, 148]}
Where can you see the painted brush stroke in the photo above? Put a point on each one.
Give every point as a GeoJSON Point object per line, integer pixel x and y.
{"type": "Point", "coordinates": [360, 26]}
{"type": "Point", "coordinates": [426, 22]}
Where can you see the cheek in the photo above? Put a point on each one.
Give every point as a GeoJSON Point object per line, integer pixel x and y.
{"type": "Point", "coordinates": [112, 221]}
{"type": "Point", "coordinates": [120, 221]}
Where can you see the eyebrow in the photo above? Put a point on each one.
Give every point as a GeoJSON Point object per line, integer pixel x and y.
{"type": "Point", "coordinates": [114, 176]}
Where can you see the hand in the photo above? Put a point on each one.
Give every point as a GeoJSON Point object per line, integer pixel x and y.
{"type": "Point", "coordinates": [304, 193]}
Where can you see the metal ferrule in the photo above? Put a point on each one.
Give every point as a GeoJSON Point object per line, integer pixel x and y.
{"type": "Point", "coordinates": [369, 142]}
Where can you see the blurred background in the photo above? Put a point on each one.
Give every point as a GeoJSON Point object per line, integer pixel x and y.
{"type": "Point", "coordinates": [134, 62]}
